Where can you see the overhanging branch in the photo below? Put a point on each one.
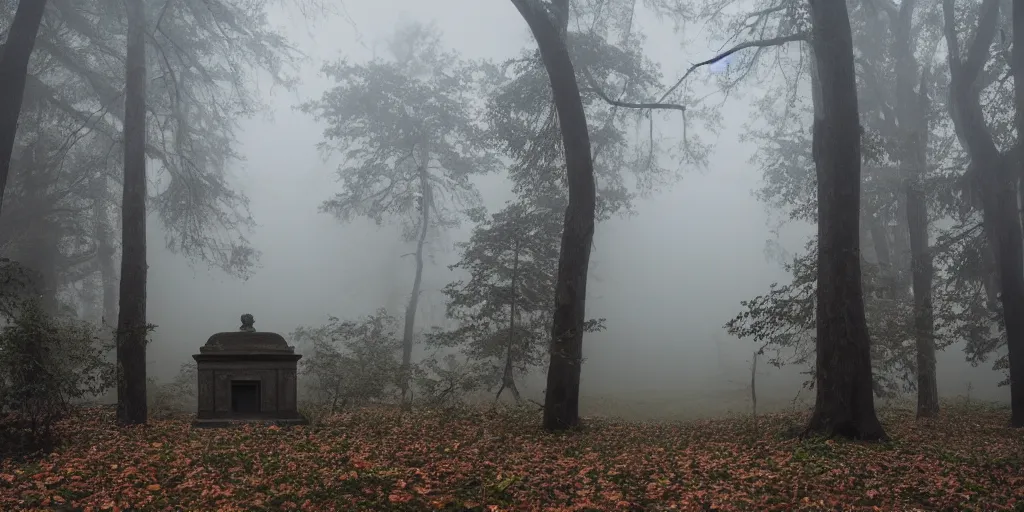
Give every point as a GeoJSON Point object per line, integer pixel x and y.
{"type": "Point", "coordinates": [625, 104]}
{"type": "Point", "coordinates": [760, 43]}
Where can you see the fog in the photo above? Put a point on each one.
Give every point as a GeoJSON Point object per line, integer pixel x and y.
{"type": "Point", "coordinates": [666, 278]}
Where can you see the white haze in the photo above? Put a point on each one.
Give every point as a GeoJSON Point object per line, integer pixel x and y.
{"type": "Point", "coordinates": [666, 279]}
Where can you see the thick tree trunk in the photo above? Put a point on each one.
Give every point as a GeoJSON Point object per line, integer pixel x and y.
{"type": "Point", "coordinates": [844, 403]}
{"type": "Point", "coordinates": [911, 112]}
{"type": "Point", "coordinates": [1017, 68]}
{"type": "Point", "coordinates": [992, 173]}
{"type": "Point", "coordinates": [14, 56]}
{"type": "Point", "coordinates": [507, 377]}
{"type": "Point", "coordinates": [1002, 212]}
{"type": "Point", "coordinates": [1017, 297]}
{"type": "Point", "coordinates": [132, 328]}
{"type": "Point", "coordinates": [561, 399]}
{"type": "Point", "coordinates": [426, 200]}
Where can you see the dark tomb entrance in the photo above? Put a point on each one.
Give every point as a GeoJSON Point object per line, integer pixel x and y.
{"type": "Point", "coordinates": [245, 396]}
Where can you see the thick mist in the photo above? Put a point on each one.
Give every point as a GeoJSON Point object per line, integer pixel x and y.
{"type": "Point", "coordinates": [666, 278]}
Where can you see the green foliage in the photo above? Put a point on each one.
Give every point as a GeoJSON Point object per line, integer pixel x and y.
{"type": "Point", "coordinates": [15, 287]}
{"type": "Point", "coordinates": [176, 397]}
{"type": "Point", "coordinates": [47, 365]}
{"type": "Point", "coordinates": [965, 309]}
{"type": "Point", "coordinates": [351, 362]}
{"type": "Point", "coordinates": [203, 58]}
{"type": "Point", "coordinates": [407, 132]}
{"type": "Point", "coordinates": [444, 383]}
{"type": "Point", "coordinates": [512, 261]}
{"type": "Point", "coordinates": [782, 322]}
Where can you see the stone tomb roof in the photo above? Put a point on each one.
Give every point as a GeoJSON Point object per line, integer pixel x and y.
{"type": "Point", "coordinates": [246, 341]}
{"type": "Point", "coordinates": [240, 341]}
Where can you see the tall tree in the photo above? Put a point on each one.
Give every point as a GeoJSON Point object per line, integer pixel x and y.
{"type": "Point", "coordinates": [896, 53]}
{"type": "Point", "coordinates": [132, 328]}
{"type": "Point", "coordinates": [1016, 304]}
{"type": "Point", "coordinates": [548, 23]}
{"type": "Point", "coordinates": [909, 127]}
{"type": "Point", "coordinates": [204, 55]}
{"type": "Point", "coordinates": [844, 403]}
{"type": "Point", "coordinates": [14, 56]}
{"type": "Point", "coordinates": [410, 143]}
{"type": "Point", "coordinates": [607, 54]}
{"type": "Point", "coordinates": [993, 176]}
{"type": "Point", "coordinates": [504, 307]}
{"type": "Point", "coordinates": [912, 114]}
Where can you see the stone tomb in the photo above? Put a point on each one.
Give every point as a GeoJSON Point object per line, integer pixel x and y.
{"type": "Point", "coordinates": [247, 376]}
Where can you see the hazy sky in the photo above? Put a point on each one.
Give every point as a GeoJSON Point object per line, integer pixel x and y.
{"type": "Point", "coordinates": [666, 279]}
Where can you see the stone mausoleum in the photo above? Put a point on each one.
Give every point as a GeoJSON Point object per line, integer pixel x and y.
{"type": "Point", "coordinates": [246, 376]}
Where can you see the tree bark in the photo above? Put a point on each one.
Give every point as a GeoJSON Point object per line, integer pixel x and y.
{"type": "Point", "coordinates": [507, 377]}
{"type": "Point", "coordinates": [108, 277]}
{"type": "Point", "coordinates": [105, 252]}
{"type": "Point", "coordinates": [561, 399]}
{"type": "Point", "coordinates": [844, 403]}
{"type": "Point", "coordinates": [1017, 296]}
{"type": "Point", "coordinates": [901, 251]}
{"type": "Point", "coordinates": [132, 327]}
{"type": "Point", "coordinates": [414, 298]}
{"type": "Point", "coordinates": [41, 247]}
{"type": "Point", "coordinates": [883, 253]}
{"type": "Point", "coordinates": [993, 175]}
{"type": "Point", "coordinates": [911, 112]}
{"type": "Point", "coordinates": [14, 57]}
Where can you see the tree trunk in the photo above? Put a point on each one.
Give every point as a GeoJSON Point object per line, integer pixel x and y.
{"type": "Point", "coordinates": [844, 403]}
{"type": "Point", "coordinates": [41, 246]}
{"type": "Point", "coordinates": [887, 271]}
{"type": "Point", "coordinates": [105, 253]}
{"type": "Point", "coordinates": [108, 279]}
{"type": "Point", "coordinates": [132, 328]}
{"type": "Point", "coordinates": [507, 377]}
{"type": "Point", "coordinates": [410, 311]}
{"type": "Point", "coordinates": [43, 249]}
{"type": "Point", "coordinates": [924, 321]}
{"type": "Point", "coordinates": [901, 251]}
{"type": "Point", "coordinates": [1014, 310]}
{"type": "Point", "coordinates": [14, 56]}
{"type": "Point", "coordinates": [992, 174]}
{"type": "Point", "coordinates": [561, 399]}
{"type": "Point", "coordinates": [1001, 201]}
{"type": "Point", "coordinates": [911, 112]}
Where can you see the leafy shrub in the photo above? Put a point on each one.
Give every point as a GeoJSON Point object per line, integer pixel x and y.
{"type": "Point", "coordinates": [174, 398]}
{"type": "Point", "coordinates": [47, 364]}
{"type": "Point", "coordinates": [351, 362]}
{"type": "Point", "coordinates": [446, 382]}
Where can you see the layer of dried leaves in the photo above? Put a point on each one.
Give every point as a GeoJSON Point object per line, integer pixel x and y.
{"type": "Point", "coordinates": [500, 460]}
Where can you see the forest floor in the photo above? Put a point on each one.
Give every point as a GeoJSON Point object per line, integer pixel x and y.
{"type": "Point", "coordinates": [380, 459]}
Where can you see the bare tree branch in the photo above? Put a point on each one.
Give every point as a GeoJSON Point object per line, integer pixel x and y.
{"type": "Point", "coordinates": [760, 43]}
{"type": "Point", "coordinates": [625, 104]}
